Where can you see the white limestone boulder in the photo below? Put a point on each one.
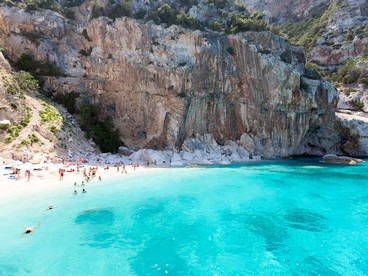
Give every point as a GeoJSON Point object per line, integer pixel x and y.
{"type": "Point", "coordinates": [247, 142]}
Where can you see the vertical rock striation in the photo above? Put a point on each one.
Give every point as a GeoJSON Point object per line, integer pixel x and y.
{"type": "Point", "coordinates": [165, 85]}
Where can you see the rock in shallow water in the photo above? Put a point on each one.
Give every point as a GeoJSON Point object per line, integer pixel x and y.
{"type": "Point", "coordinates": [332, 158]}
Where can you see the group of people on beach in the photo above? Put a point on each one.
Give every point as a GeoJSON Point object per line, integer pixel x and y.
{"type": "Point", "coordinates": [87, 175]}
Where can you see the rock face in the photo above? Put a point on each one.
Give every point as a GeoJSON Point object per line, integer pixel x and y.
{"type": "Point", "coordinates": [201, 150]}
{"type": "Point", "coordinates": [163, 86]}
{"type": "Point", "coordinates": [356, 132]}
{"type": "Point", "coordinates": [345, 36]}
{"type": "Point", "coordinates": [287, 9]}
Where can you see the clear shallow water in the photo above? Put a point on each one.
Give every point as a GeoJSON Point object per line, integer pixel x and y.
{"type": "Point", "coordinates": [270, 218]}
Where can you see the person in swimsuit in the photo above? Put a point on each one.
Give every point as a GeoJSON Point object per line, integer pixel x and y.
{"type": "Point", "coordinates": [30, 229]}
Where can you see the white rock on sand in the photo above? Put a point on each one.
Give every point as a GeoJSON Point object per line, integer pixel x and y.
{"type": "Point", "coordinates": [201, 150]}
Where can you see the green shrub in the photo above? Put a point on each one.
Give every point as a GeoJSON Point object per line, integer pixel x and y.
{"type": "Point", "coordinates": [54, 129]}
{"type": "Point", "coordinates": [4, 126]}
{"type": "Point", "coordinates": [113, 10]}
{"type": "Point", "coordinates": [217, 3]}
{"type": "Point", "coordinates": [358, 104]}
{"type": "Point", "coordinates": [26, 62]}
{"type": "Point", "coordinates": [13, 105]}
{"type": "Point", "coordinates": [11, 88]}
{"type": "Point", "coordinates": [33, 138]}
{"type": "Point", "coordinates": [68, 100]}
{"type": "Point", "coordinates": [231, 51]}
{"type": "Point", "coordinates": [217, 26]}
{"type": "Point", "coordinates": [276, 29]}
{"type": "Point", "coordinates": [240, 6]}
{"type": "Point", "coordinates": [50, 114]}
{"type": "Point", "coordinates": [349, 73]}
{"type": "Point", "coordinates": [166, 14]}
{"type": "Point", "coordinates": [26, 81]}
{"type": "Point", "coordinates": [3, 49]}
{"type": "Point", "coordinates": [42, 4]}
{"type": "Point", "coordinates": [311, 71]}
{"type": "Point", "coordinates": [349, 91]}
{"type": "Point", "coordinates": [27, 118]}
{"type": "Point", "coordinates": [182, 95]}
{"type": "Point", "coordinates": [306, 32]}
{"type": "Point", "coordinates": [102, 131]}
{"type": "Point", "coordinates": [8, 139]}
{"type": "Point", "coordinates": [241, 23]}
{"type": "Point", "coordinates": [363, 80]}
{"type": "Point", "coordinates": [8, 3]}
{"type": "Point", "coordinates": [187, 21]}
{"type": "Point", "coordinates": [97, 12]}
{"type": "Point", "coordinates": [24, 142]}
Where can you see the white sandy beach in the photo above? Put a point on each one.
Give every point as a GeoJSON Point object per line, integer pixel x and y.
{"type": "Point", "coordinates": [46, 181]}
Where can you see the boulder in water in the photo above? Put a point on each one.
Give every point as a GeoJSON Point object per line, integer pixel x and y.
{"type": "Point", "coordinates": [332, 158]}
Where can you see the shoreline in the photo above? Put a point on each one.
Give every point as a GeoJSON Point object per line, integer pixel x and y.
{"type": "Point", "coordinates": [49, 180]}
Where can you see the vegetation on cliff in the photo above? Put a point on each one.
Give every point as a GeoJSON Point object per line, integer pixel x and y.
{"type": "Point", "coordinates": [100, 128]}
{"type": "Point", "coordinates": [353, 71]}
{"type": "Point", "coordinates": [18, 86]}
{"type": "Point", "coordinates": [30, 5]}
{"type": "Point", "coordinates": [230, 16]}
{"type": "Point", "coordinates": [306, 32]}
{"type": "Point", "coordinates": [97, 126]}
{"type": "Point", "coordinates": [37, 68]}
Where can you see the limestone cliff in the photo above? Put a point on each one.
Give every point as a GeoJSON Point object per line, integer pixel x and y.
{"type": "Point", "coordinates": [342, 33]}
{"type": "Point", "coordinates": [164, 85]}
{"type": "Point", "coordinates": [336, 35]}
{"type": "Point", "coordinates": [286, 10]}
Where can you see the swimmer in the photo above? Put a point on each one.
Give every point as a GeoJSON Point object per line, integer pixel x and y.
{"type": "Point", "coordinates": [30, 229]}
{"type": "Point", "coordinates": [75, 183]}
{"type": "Point", "coordinates": [82, 183]}
{"type": "Point", "coordinates": [75, 192]}
{"type": "Point", "coordinates": [51, 206]}
{"type": "Point", "coordinates": [99, 177]}
{"type": "Point", "coordinates": [84, 191]}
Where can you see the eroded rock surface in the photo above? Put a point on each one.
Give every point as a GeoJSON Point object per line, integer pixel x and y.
{"type": "Point", "coordinates": [163, 86]}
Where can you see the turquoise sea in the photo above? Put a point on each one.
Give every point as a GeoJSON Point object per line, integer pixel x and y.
{"type": "Point", "coordinates": [265, 218]}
